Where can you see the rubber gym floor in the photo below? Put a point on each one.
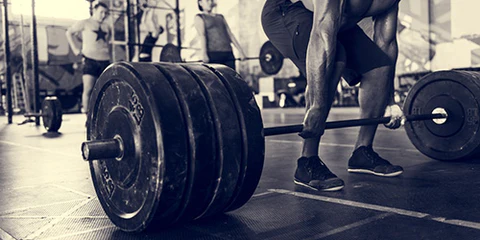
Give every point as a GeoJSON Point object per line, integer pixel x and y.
{"type": "Point", "coordinates": [46, 191]}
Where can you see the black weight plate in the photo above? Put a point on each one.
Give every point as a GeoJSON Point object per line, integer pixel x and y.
{"type": "Point", "coordinates": [52, 114]}
{"type": "Point", "coordinates": [251, 123]}
{"type": "Point", "coordinates": [458, 93]}
{"type": "Point", "coordinates": [170, 53]}
{"type": "Point", "coordinates": [271, 60]}
{"type": "Point", "coordinates": [135, 102]}
{"type": "Point", "coordinates": [203, 162]}
{"type": "Point", "coordinates": [229, 137]}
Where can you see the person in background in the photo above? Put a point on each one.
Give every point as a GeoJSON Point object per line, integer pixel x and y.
{"type": "Point", "coordinates": [215, 36]}
{"type": "Point", "coordinates": [171, 29]}
{"type": "Point", "coordinates": [96, 47]}
{"type": "Point", "coordinates": [150, 30]}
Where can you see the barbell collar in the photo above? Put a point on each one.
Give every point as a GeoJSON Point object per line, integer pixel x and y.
{"type": "Point", "coordinates": [103, 149]}
{"type": "Point", "coordinates": [271, 131]}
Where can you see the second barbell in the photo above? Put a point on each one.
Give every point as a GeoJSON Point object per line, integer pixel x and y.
{"type": "Point", "coordinates": [271, 60]}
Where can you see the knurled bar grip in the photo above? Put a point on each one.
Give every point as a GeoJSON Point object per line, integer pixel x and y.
{"type": "Point", "coordinates": [271, 131]}
{"type": "Point", "coordinates": [113, 148]}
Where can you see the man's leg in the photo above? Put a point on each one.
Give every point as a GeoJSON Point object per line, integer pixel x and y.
{"type": "Point", "coordinates": [373, 101]}
{"type": "Point", "coordinates": [311, 171]}
{"type": "Point", "coordinates": [88, 82]}
{"type": "Point", "coordinates": [311, 145]}
{"type": "Point", "coordinates": [376, 71]}
{"type": "Point", "coordinates": [288, 28]}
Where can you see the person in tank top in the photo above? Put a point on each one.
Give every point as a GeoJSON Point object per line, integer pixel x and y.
{"type": "Point", "coordinates": [215, 36]}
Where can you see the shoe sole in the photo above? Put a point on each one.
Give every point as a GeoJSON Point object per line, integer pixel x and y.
{"type": "Point", "coordinates": [323, 190]}
{"type": "Point", "coordinates": [394, 174]}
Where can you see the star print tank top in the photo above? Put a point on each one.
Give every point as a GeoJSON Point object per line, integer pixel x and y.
{"type": "Point", "coordinates": [95, 39]}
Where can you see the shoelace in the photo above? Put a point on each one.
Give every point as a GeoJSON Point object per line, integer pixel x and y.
{"type": "Point", "coordinates": [319, 170]}
{"type": "Point", "coordinates": [377, 160]}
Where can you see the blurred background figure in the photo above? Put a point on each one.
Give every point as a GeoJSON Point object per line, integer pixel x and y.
{"type": "Point", "coordinates": [215, 36]}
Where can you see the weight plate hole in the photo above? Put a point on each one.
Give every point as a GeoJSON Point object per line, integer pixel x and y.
{"type": "Point", "coordinates": [440, 121]}
{"type": "Point", "coordinates": [120, 146]}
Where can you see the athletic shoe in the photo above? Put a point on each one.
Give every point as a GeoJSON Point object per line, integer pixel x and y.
{"type": "Point", "coordinates": [365, 160]}
{"type": "Point", "coordinates": [313, 173]}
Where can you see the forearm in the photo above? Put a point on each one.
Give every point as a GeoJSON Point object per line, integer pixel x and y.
{"type": "Point", "coordinates": [320, 67]}
{"type": "Point", "coordinates": [199, 26]}
{"type": "Point", "coordinates": [391, 49]}
{"type": "Point", "coordinates": [237, 45]}
{"type": "Point", "coordinates": [203, 46]}
{"type": "Point", "coordinates": [156, 30]}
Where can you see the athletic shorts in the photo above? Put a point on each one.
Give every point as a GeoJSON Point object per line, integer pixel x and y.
{"type": "Point", "coordinates": [94, 67]}
{"type": "Point", "coordinates": [147, 47]}
{"type": "Point", "coordinates": [225, 58]}
{"type": "Point", "coordinates": [288, 27]}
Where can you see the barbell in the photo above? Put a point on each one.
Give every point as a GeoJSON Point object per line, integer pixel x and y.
{"type": "Point", "coordinates": [170, 143]}
{"type": "Point", "coordinates": [271, 60]}
{"type": "Point", "coordinates": [50, 113]}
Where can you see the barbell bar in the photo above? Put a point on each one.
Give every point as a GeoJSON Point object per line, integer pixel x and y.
{"type": "Point", "coordinates": [51, 114]}
{"type": "Point", "coordinates": [113, 148]}
{"type": "Point", "coordinates": [272, 131]}
{"type": "Point", "coordinates": [271, 60]}
{"type": "Point", "coordinates": [267, 57]}
{"type": "Point", "coordinates": [159, 45]}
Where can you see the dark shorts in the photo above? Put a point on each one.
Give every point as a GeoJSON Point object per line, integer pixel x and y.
{"type": "Point", "coordinates": [94, 67]}
{"type": "Point", "coordinates": [288, 27]}
{"type": "Point", "coordinates": [225, 58]}
{"type": "Point", "coordinates": [147, 46]}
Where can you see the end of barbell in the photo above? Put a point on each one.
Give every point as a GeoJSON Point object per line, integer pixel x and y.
{"type": "Point", "coordinates": [103, 149]}
{"type": "Point", "coordinates": [443, 112]}
{"type": "Point", "coordinates": [268, 57]}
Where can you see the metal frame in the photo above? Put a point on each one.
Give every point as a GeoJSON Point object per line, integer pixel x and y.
{"type": "Point", "coordinates": [35, 63]}
{"type": "Point", "coordinates": [128, 4]}
{"type": "Point", "coordinates": [127, 27]}
{"type": "Point", "coordinates": [36, 84]}
{"type": "Point", "coordinates": [8, 71]}
{"type": "Point", "coordinates": [179, 30]}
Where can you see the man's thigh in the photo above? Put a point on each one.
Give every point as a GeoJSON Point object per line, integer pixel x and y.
{"type": "Point", "coordinates": [363, 55]}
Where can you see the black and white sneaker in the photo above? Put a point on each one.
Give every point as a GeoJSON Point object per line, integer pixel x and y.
{"type": "Point", "coordinates": [365, 160]}
{"type": "Point", "coordinates": [313, 173]}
